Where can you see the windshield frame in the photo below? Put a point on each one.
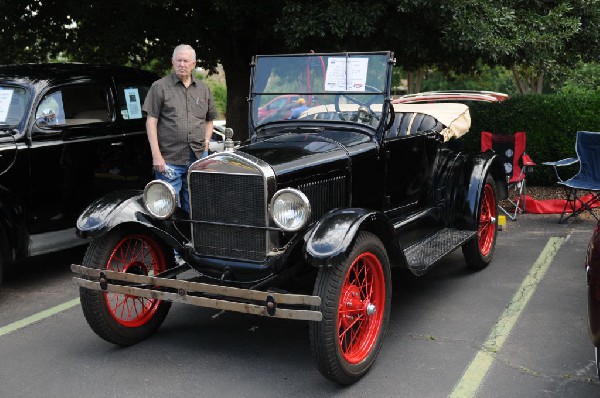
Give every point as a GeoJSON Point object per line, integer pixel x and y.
{"type": "Point", "coordinates": [374, 89]}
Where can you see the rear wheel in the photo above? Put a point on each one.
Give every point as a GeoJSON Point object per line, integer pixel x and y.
{"type": "Point", "coordinates": [4, 256]}
{"type": "Point", "coordinates": [479, 251]}
{"type": "Point", "coordinates": [597, 352]}
{"type": "Point", "coordinates": [356, 296]}
{"type": "Point", "coordinates": [122, 318]}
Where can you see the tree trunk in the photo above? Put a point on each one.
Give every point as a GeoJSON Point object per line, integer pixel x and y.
{"type": "Point", "coordinates": [540, 83]}
{"type": "Point", "coordinates": [236, 115]}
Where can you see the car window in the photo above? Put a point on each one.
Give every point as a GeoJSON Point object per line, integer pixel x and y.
{"type": "Point", "coordinates": [131, 100]}
{"type": "Point", "coordinates": [75, 105]}
{"type": "Point", "coordinates": [13, 104]}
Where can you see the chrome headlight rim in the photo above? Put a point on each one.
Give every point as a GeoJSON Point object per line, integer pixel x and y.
{"type": "Point", "coordinates": [171, 194]}
{"type": "Point", "coordinates": [304, 202]}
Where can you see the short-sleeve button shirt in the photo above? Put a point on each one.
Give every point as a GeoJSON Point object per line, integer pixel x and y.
{"type": "Point", "coordinates": [181, 113]}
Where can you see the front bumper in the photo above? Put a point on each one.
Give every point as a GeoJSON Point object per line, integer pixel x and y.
{"type": "Point", "coordinates": [256, 302]}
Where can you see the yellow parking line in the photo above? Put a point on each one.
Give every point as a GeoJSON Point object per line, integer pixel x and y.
{"type": "Point", "coordinates": [480, 365]}
{"type": "Point", "coordinates": [38, 317]}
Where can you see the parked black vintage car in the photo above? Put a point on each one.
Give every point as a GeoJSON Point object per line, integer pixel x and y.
{"type": "Point", "coordinates": [69, 133]}
{"type": "Point", "coordinates": [592, 269]}
{"type": "Point", "coordinates": [305, 220]}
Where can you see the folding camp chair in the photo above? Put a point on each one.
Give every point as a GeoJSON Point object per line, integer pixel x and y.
{"type": "Point", "coordinates": [517, 164]}
{"type": "Point", "coordinates": [587, 147]}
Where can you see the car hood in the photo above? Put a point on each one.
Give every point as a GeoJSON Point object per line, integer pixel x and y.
{"type": "Point", "coordinates": [293, 157]}
{"type": "Point", "coordinates": [292, 153]}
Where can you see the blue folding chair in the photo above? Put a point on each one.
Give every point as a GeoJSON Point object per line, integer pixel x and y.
{"type": "Point", "coordinates": [587, 146]}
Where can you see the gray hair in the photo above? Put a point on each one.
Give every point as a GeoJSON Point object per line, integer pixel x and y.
{"type": "Point", "coordinates": [184, 47]}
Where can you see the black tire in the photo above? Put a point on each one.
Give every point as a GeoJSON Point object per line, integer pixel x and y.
{"type": "Point", "coordinates": [597, 353]}
{"type": "Point", "coordinates": [4, 255]}
{"type": "Point", "coordinates": [338, 358]}
{"type": "Point", "coordinates": [120, 249]}
{"type": "Point", "coordinates": [479, 251]}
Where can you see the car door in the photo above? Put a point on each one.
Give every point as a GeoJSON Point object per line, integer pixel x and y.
{"type": "Point", "coordinates": [76, 152]}
{"type": "Point", "coordinates": [411, 154]}
{"type": "Point", "coordinates": [137, 164]}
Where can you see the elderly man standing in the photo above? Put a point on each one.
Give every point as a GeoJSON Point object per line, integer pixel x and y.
{"type": "Point", "coordinates": [180, 112]}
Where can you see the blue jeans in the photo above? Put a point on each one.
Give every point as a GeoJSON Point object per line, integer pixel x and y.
{"type": "Point", "coordinates": [179, 181]}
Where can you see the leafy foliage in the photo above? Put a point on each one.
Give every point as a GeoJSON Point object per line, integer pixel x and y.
{"type": "Point", "coordinates": [533, 38]}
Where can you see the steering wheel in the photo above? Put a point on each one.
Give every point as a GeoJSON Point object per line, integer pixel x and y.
{"type": "Point", "coordinates": [364, 114]}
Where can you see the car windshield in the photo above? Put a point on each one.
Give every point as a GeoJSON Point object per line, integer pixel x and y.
{"type": "Point", "coordinates": [13, 105]}
{"type": "Point", "coordinates": [345, 87]}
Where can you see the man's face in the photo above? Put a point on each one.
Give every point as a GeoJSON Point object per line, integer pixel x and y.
{"type": "Point", "coordinates": [183, 64]}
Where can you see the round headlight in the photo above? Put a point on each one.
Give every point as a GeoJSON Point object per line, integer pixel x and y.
{"type": "Point", "coordinates": [290, 209]}
{"type": "Point", "coordinates": [160, 199]}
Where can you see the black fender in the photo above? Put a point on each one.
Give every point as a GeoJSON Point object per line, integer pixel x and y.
{"type": "Point", "coordinates": [330, 240]}
{"type": "Point", "coordinates": [467, 195]}
{"type": "Point", "coordinates": [125, 207]}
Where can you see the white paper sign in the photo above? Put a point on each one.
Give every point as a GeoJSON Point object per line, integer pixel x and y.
{"type": "Point", "coordinates": [5, 98]}
{"type": "Point", "coordinates": [346, 74]}
{"type": "Point", "coordinates": [132, 98]}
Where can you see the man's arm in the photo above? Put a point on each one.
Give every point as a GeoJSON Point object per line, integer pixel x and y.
{"type": "Point", "coordinates": [152, 130]}
{"type": "Point", "coordinates": [208, 130]}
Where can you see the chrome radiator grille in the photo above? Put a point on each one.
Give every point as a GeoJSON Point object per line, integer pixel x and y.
{"type": "Point", "coordinates": [229, 199]}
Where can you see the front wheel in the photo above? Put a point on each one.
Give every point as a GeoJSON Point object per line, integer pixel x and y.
{"type": "Point", "coordinates": [479, 251]}
{"type": "Point", "coordinates": [118, 318]}
{"type": "Point", "coordinates": [356, 295]}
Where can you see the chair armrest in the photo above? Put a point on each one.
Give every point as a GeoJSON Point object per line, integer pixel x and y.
{"type": "Point", "coordinates": [563, 162]}
{"type": "Point", "coordinates": [527, 161]}
{"type": "Point", "coordinates": [560, 163]}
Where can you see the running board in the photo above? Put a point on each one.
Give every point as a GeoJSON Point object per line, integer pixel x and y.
{"type": "Point", "coordinates": [256, 302]}
{"type": "Point", "coordinates": [421, 256]}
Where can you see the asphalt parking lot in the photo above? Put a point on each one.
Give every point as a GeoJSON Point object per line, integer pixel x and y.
{"type": "Point", "coordinates": [516, 329]}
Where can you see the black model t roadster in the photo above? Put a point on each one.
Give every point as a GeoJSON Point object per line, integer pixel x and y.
{"type": "Point", "coordinates": [304, 220]}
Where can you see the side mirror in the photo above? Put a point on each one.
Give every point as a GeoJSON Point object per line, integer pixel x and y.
{"type": "Point", "coordinates": [48, 118]}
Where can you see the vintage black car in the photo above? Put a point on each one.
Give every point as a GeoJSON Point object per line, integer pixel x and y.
{"type": "Point", "coordinates": [69, 133]}
{"type": "Point", "coordinates": [304, 220]}
{"type": "Point", "coordinates": [592, 269]}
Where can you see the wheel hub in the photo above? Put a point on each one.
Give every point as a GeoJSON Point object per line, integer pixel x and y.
{"type": "Point", "coordinates": [371, 309]}
{"type": "Point", "coordinates": [353, 306]}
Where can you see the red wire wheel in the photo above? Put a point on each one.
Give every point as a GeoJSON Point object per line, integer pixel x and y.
{"type": "Point", "coordinates": [356, 295]}
{"type": "Point", "coordinates": [125, 319]}
{"type": "Point", "coordinates": [479, 251]}
{"type": "Point", "coordinates": [487, 221]}
{"type": "Point", "coordinates": [138, 255]}
{"type": "Point", "coordinates": [361, 306]}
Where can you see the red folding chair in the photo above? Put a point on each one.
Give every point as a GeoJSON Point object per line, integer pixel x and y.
{"type": "Point", "coordinates": [517, 164]}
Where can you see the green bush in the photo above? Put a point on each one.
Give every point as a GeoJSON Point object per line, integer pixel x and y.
{"type": "Point", "coordinates": [219, 92]}
{"type": "Point", "coordinates": [550, 121]}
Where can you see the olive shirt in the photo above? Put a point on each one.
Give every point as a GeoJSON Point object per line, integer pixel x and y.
{"type": "Point", "coordinates": [181, 113]}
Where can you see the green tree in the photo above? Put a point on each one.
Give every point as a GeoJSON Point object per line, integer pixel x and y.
{"type": "Point", "coordinates": [530, 37]}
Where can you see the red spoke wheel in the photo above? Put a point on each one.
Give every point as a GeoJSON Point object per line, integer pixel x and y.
{"type": "Point", "coordinates": [479, 251]}
{"type": "Point", "coordinates": [122, 318]}
{"type": "Point", "coordinates": [355, 304]}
